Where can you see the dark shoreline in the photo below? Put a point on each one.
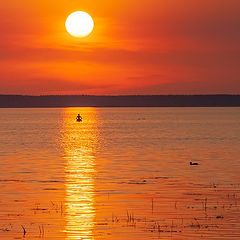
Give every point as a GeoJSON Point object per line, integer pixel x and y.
{"type": "Point", "coordinates": [57, 101]}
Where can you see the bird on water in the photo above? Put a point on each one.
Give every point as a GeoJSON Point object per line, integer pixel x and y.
{"type": "Point", "coordinates": [193, 164]}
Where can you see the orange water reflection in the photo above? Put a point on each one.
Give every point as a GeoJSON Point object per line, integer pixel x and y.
{"type": "Point", "coordinates": [79, 142]}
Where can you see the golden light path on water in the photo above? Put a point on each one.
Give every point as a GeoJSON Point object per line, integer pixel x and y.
{"type": "Point", "coordinates": [79, 141]}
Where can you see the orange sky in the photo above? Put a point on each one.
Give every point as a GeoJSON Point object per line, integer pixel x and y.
{"type": "Point", "coordinates": [137, 47]}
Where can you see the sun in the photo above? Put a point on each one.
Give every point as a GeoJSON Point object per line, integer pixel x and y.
{"type": "Point", "coordinates": [79, 24]}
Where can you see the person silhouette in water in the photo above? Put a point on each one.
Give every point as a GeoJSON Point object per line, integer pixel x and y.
{"type": "Point", "coordinates": [79, 118]}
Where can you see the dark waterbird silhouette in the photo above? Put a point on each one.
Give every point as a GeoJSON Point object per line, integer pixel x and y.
{"type": "Point", "coordinates": [193, 164]}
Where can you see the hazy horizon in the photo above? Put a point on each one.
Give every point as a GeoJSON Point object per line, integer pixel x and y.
{"type": "Point", "coordinates": [119, 95]}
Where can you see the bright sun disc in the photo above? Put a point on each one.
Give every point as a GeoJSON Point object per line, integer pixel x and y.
{"type": "Point", "coordinates": [79, 24]}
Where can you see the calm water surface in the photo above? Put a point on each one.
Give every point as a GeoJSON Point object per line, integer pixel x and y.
{"type": "Point", "coordinates": [123, 173]}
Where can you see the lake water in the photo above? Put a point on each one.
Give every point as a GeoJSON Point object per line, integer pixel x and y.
{"type": "Point", "coordinates": [123, 173]}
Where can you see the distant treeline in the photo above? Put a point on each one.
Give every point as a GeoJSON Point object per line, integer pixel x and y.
{"type": "Point", "coordinates": [20, 101]}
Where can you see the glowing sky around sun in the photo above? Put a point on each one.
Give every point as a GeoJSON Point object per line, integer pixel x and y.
{"type": "Point", "coordinates": [136, 47]}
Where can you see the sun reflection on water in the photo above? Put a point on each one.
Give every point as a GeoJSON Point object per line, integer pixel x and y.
{"type": "Point", "coordinates": [79, 142]}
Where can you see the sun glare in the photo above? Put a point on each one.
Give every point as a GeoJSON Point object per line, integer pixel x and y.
{"type": "Point", "coordinates": [79, 24]}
